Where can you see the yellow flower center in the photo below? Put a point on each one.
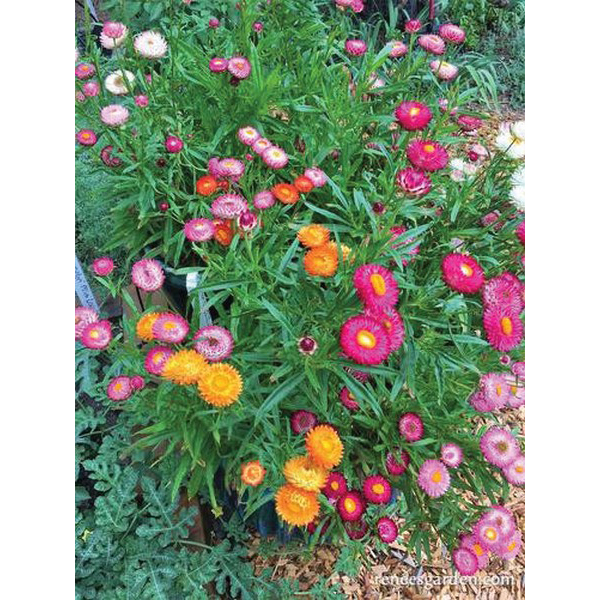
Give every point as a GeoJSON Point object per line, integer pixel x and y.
{"type": "Point", "coordinates": [169, 325]}
{"type": "Point", "coordinates": [327, 445]}
{"type": "Point", "coordinates": [220, 382]}
{"type": "Point", "coordinates": [436, 477]}
{"type": "Point", "coordinates": [466, 270]}
{"type": "Point", "coordinates": [378, 283]}
{"type": "Point", "coordinates": [498, 390]}
{"type": "Point", "coordinates": [511, 547]}
{"type": "Point", "coordinates": [506, 325]}
{"type": "Point", "coordinates": [477, 549]}
{"type": "Point", "coordinates": [414, 111]}
{"type": "Point", "coordinates": [366, 339]}
{"type": "Point", "coordinates": [378, 488]}
{"type": "Point", "coordinates": [349, 505]}
{"type": "Point", "coordinates": [351, 396]}
{"type": "Point", "coordinates": [335, 486]}
{"type": "Point", "coordinates": [519, 469]}
{"type": "Point", "coordinates": [490, 534]}
{"type": "Point", "coordinates": [94, 335]}
{"type": "Point", "coordinates": [118, 386]}
{"type": "Point", "coordinates": [86, 136]}
{"type": "Point", "coordinates": [157, 357]}
{"type": "Point", "coordinates": [513, 390]}
{"type": "Point", "coordinates": [502, 447]}
{"type": "Point", "coordinates": [429, 148]}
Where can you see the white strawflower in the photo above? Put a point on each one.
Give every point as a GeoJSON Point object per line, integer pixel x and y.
{"type": "Point", "coordinates": [517, 194]}
{"type": "Point", "coordinates": [110, 43]}
{"type": "Point", "coordinates": [511, 139]}
{"type": "Point", "coordinates": [115, 82]}
{"type": "Point", "coordinates": [150, 44]}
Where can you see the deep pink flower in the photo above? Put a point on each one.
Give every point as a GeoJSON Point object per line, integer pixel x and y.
{"type": "Point", "coordinates": [119, 388]}
{"type": "Point", "coordinates": [147, 274]}
{"type": "Point", "coordinates": [357, 6]}
{"type": "Point", "coordinates": [258, 26]}
{"type": "Point", "coordinates": [472, 543]}
{"type": "Point", "coordinates": [521, 232]}
{"type": "Point", "coordinates": [377, 489]}
{"type": "Point", "coordinates": [432, 43]}
{"type": "Point", "coordinates": [503, 328]}
{"type": "Point", "coordinates": [239, 67]}
{"type": "Point", "coordinates": [355, 47]}
{"type": "Point", "coordinates": [157, 358]}
{"type": "Point", "coordinates": [218, 64]}
{"type": "Point", "coordinates": [480, 402]}
{"type": "Point", "coordinates": [96, 335]}
{"type": "Point", "coordinates": [85, 70]}
{"type": "Point", "coordinates": [103, 266]}
{"type": "Point", "coordinates": [86, 137]}
{"type": "Point", "coordinates": [413, 116]}
{"type": "Point", "coordinates": [173, 144]}
{"type": "Point", "coordinates": [247, 221]}
{"type": "Point", "coordinates": [393, 466]}
{"type": "Point", "coordinates": [511, 547]}
{"type": "Point", "coordinates": [452, 33]}
{"type": "Point", "coordinates": [170, 328]}
{"type": "Point", "coordinates": [91, 88]}
{"type": "Point", "coordinates": [499, 446]}
{"type": "Point", "coordinates": [465, 561]}
{"type": "Point", "coordinates": [387, 530]}
{"type": "Point", "coordinates": [469, 123]}
{"type": "Point", "coordinates": [302, 421]}
{"type": "Point", "coordinates": [518, 368]}
{"type": "Point", "coordinates": [348, 400]}
{"type": "Point", "coordinates": [108, 159]}
{"type": "Point", "coordinates": [137, 382]}
{"type": "Point", "coordinates": [356, 530]}
{"type": "Point", "coordinates": [376, 287]}
{"type": "Point", "coordinates": [412, 26]}
{"type": "Point", "coordinates": [392, 321]}
{"type": "Point", "coordinates": [215, 343]}
{"type": "Point", "coordinates": [451, 455]}
{"type": "Point", "coordinates": [398, 48]}
{"type": "Point", "coordinates": [199, 230]}
{"type": "Point", "coordinates": [413, 182]}
{"type": "Point", "coordinates": [495, 389]}
{"type": "Point", "coordinates": [213, 22]}
{"type": "Point", "coordinates": [350, 506]}
{"type": "Point", "coordinates": [502, 518]}
{"type": "Point", "coordinates": [434, 478]}
{"type": "Point", "coordinates": [427, 155]}
{"type": "Point", "coordinates": [364, 340]}
{"type": "Point", "coordinates": [83, 317]}
{"type": "Point", "coordinates": [410, 427]}
{"type": "Point", "coordinates": [336, 486]}
{"type": "Point", "coordinates": [505, 291]}
{"type": "Point", "coordinates": [488, 535]}
{"type": "Point", "coordinates": [462, 273]}
{"type": "Point", "coordinates": [141, 101]}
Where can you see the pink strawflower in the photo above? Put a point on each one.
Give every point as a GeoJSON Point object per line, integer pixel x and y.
{"type": "Point", "coordinates": [348, 400]}
{"type": "Point", "coordinates": [499, 446]}
{"type": "Point", "coordinates": [434, 478]}
{"type": "Point", "coordinates": [491, 218]}
{"type": "Point", "coordinates": [520, 231]}
{"type": "Point", "coordinates": [113, 29]}
{"type": "Point", "coordinates": [79, 96]}
{"type": "Point", "coordinates": [443, 70]}
{"type": "Point", "coordinates": [495, 388]}
{"type": "Point", "coordinates": [141, 101]}
{"type": "Point", "coordinates": [470, 542]}
{"type": "Point", "coordinates": [502, 518]}
{"type": "Point", "coordinates": [465, 561]}
{"type": "Point", "coordinates": [505, 360]}
{"type": "Point", "coordinates": [480, 402]}
{"type": "Point", "coordinates": [488, 535]}
{"type": "Point", "coordinates": [412, 26]}
{"type": "Point", "coordinates": [427, 155]}
{"type": "Point", "coordinates": [170, 328]}
{"type": "Point", "coordinates": [469, 123]}
{"type": "Point", "coordinates": [137, 382]}
{"type": "Point", "coordinates": [518, 368]}
{"type": "Point", "coordinates": [413, 116]}
{"type": "Point", "coordinates": [387, 530]}
{"type": "Point", "coordinates": [214, 343]}
{"type": "Point", "coordinates": [503, 328]}
{"type": "Point", "coordinates": [351, 506]}
{"type": "Point", "coordinates": [462, 273]}
{"type": "Point", "coordinates": [515, 472]}
{"type": "Point", "coordinates": [302, 421]}
{"type": "Point", "coordinates": [248, 135]}
{"type": "Point", "coordinates": [263, 200]}
{"type": "Point", "coordinates": [86, 137]}
{"type": "Point", "coordinates": [85, 71]}
{"type": "Point", "coordinates": [228, 206]}
{"type": "Point", "coordinates": [147, 274]}
{"type": "Point", "coordinates": [231, 167]}
{"type": "Point", "coordinates": [307, 345]}
{"type": "Point", "coordinates": [511, 547]}
{"type": "Point", "coordinates": [392, 321]}
{"type": "Point", "coordinates": [451, 455]}
{"type": "Point", "coordinates": [410, 427]}
{"type": "Point", "coordinates": [213, 22]}
{"type": "Point", "coordinates": [157, 358]}
{"type": "Point", "coordinates": [274, 157]}
{"type": "Point", "coordinates": [413, 182]}
{"type": "Point", "coordinates": [239, 67]}
{"type": "Point", "coordinates": [318, 177]}
{"type": "Point", "coordinates": [103, 266]}
{"type": "Point", "coordinates": [355, 47]}
{"type": "Point", "coordinates": [393, 466]}
{"type": "Point", "coordinates": [432, 43]}
{"type": "Point", "coordinates": [108, 159]}
{"type": "Point", "coordinates": [114, 115]}
{"type": "Point", "coordinates": [504, 291]}
{"type": "Point", "coordinates": [173, 144]}
{"type": "Point", "coordinates": [91, 88]}
{"type": "Point", "coordinates": [83, 317]}
{"type": "Point", "coordinates": [357, 6]}
{"type": "Point", "coordinates": [96, 335]}
{"type": "Point", "coordinates": [260, 145]}
{"type": "Point", "coordinates": [199, 230]}
{"type": "Point", "coordinates": [377, 489]}
{"type": "Point", "coordinates": [335, 486]}
{"type": "Point", "coordinates": [397, 48]}
{"type": "Point", "coordinates": [247, 221]}
{"type": "Point", "coordinates": [364, 340]}
{"type": "Point", "coordinates": [119, 388]}
{"type": "Point", "coordinates": [376, 287]}
{"type": "Point", "coordinates": [452, 34]}
{"type": "Point", "coordinates": [218, 64]}
{"type": "Point", "coordinates": [258, 26]}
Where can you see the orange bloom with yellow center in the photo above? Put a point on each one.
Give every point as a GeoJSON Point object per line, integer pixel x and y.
{"type": "Point", "coordinates": [321, 261]}
{"type": "Point", "coordinates": [303, 473]}
{"type": "Point", "coordinates": [206, 185]}
{"type": "Point", "coordinates": [285, 192]}
{"type": "Point", "coordinates": [313, 236]}
{"type": "Point", "coordinates": [143, 328]}
{"type": "Point", "coordinates": [324, 446]}
{"type": "Point", "coordinates": [185, 367]}
{"type": "Point", "coordinates": [220, 385]}
{"type": "Point", "coordinates": [253, 473]}
{"type": "Point", "coordinates": [303, 184]}
{"type": "Point", "coordinates": [296, 506]}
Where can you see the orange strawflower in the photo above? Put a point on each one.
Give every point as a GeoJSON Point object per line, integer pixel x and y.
{"type": "Point", "coordinates": [285, 192]}
{"type": "Point", "coordinates": [185, 367]}
{"type": "Point", "coordinates": [223, 232]}
{"type": "Point", "coordinates": [312, 236]}
{"type": "Point", "coordinates": [143, 328]}
{"type": "Point", "coordinates": [296, 506]}
{"type": "Point", "coordinates": [303, 473]}
{"type": "Point", "coordinates": [303, 184]}
{"type": "Point", "coordinates": [324, 446]}
{"type": "Point", "coordinates": [220, 384]}
{"type": "Point", "coordinates": [321, 261]}
{"type": "Point", "coordinates": [206, 185]}
{"type": "Point", "coordinates": [253, 473]}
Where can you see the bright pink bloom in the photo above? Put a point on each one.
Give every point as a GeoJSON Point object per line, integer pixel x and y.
{"type": "Point", "coordinates": [480, 402]}
{"type": "Point", "coordinates": [452, 34]}
{"type": "Point", "coordinates": [215, 343]}
{"type": "Point", "coordinates": [228, 206]}
{"type": "Point", "coordinates": [239, 67]}
{"type": "Point", "coordinates": [502, 518]}
{"type": "Point", "coordinates": [355, 47]}
{"type": "Point", "coordinates": [515, 472]}
{"type": "Point", "coordinates": [113, 29]}
{"type": "Point", "coordinates": [86, 137]}
{"type": "Point", "coordinates": [351, 506]}
{"type": "Point", "coordinates": [173, 144]}
{"type": "Point", "coordinates": [248, 135]}
{"type": "Point", "coordinates": [302, 421]}
{"type": "Point", "coordinates": [495, 389]}
{"type": "Point", "coordinates": [263, 200]}
{"type": "Point", "coordinates": [274, 157]}
{"type": "Point", "coordinates": [488, 535]}
{"type": "Point", "coordinates": [491, 218]}
{"type": "Point", "coordinates": [521, 232]}
{"type": "Point", "coordinates": [218, 65]}
{"type": "Point", "coordinates": [119, 388]}
{"type": "Point", "coordinates": [170, 328]}
{"type": "Point", "coordinates": [410, 427]}
{"type": "Point", "coordinates": [393, 466]}
{"type": "Point", "coordinates": [137, 382]}
{"type": "Point", "coordinates": [387, 530]}
{"type": "Point", "coordinates": [377, 489]}
{"type": "Point", "coordinates": [147, 274]}
{"type": "Point", "coordinates": [412, 26]}
{"type": "Point", "coordinates": [376, 287]}
{"type": "Point", "coordinates": [503, 328]}
{"type": "Point", "coordinates": [392, 321]}
{"type": "Point", "coordinates": [103, 266]}
{"type": "Point", "coordinates": [427, 155]}
{"type": "Point", "coordinates": [413, 182]}
{"type": "Point", "coordinates": [357, 6]}
{"type": "Point", "coordinates": [114, 115]}
{"type": "Point", "coordinates": [260, 145]}
{"type": "Point", "coordinates": [413, 116]}
{"type": "Point", "coordinates": [141, 101]}
{"type": "Point", "coordinates": [398, 48]}
{"type": "Point", "coordinates": [108, 159]}
{"type": "Point", "coordinates": [231, 167]}
{"type": "Point", "coordinates": [91, 88]}
{"type": "Point", "coordinates": [157, 358]}
{"type": "Point", "coordinates": [307, 345]}
{"type": "Point", "coordinates": [470, 542]}
{"type": "Point", "coordinates": [465, 561]}
{"type": "Point", "coordinates": [469, 123]}
{"type": "Point", "coordinates": [199, 230]}
{"type": "Point", "coordinates": [432, 43]}
{"type": "Point", "coordinates": [96, 335]}
{"type": "Point", "coordinates": [258, 26]}
{"type": "Point", "coordinates": [336, 486]}
{"type": "Point", "coordinates": [434, 478]}
{"type": "Point", "coordinates": [83, 317]}
{"type": "Point", "coordinates": [348, 399]}
{"type": "Point", "coordinates": [247, 221]}
{"type": "Point", "coordinates": [451, 455]}
{"type": "Point", "coordinates": [213, 22]}
{"type": "Point", "coordinates": [511, 547]}
{"type": "Point", "coordinates": [462, 273]}
{"type": "Point", "coordinates": [518, 368]}
{"type": "Point", "coordinates": [505, 291]}
{"type": "Point", "coordinates": [499, 446]}
{"type": "Point", "coordinates": [85, 71]}
{"type": "Point", "coordinates": [364, 340]}
{"type": "Point", "coordinates": [443, 70]}
{"type": "Point", "coordinates": [318, 177]}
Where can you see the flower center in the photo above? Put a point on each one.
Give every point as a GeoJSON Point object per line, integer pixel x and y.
{"type": "Point", "coordinates": [466, 270]}
{"type": "Point", "coordinates": [169, 325]}
{"type": "Point", "coordinates": [436, 477]}
{"type": "Point", "coordinates": [506, 325]}
{"type": "Point", "coordinates": [335, 486]}
{"type": "Point", "coordinates": [519, 469]}
{"type": "Point", "coordinates": [414, 111]}
{"type": "Point", "coordinates": [378, 488]}
{"type": "Point", "coordinates": [157, 357]}
{"type": "Point", "coordinates": [502, 447]}
{"type": "Point", "coordinates": [366, 339]}
{"type": "Point", "coordinates": [94, 335]}
{"type": "Point", "coordinates": [513, 390]}
{"type": "Point", "coordinates": [511, 546]}
{"type": "Point", "coordinates": [86, 136]}
{"type": "Point", "coordinates": [118, 386]}
{"type": "Point", "coordinates": [490, 534]}
{"type": "Point", "coordinates": [498, 390]}
{"type": "Point", "coordinates": [429, 148]}
{"type": "Point", "coordinates": [220, 382]}
{"type": "Point", "coordinates": [378, 283]}
{"type": "Point", "coordinates": [327, 445]}
{"type": "Point", "coordinates": [349, 505]}
{"type": "Point", "coordinates": [477, 549]}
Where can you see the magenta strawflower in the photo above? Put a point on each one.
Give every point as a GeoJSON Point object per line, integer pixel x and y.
{"type": "Point", "coordinates": [376, 287]}
{"type": "Point", "coordinates": [199, 230]}
{"type": "Point", "coordinates": [218, 65]}
{"type": "Point", "coordinates": [462, 273]}
{"type": "Point", "coordinates": [412, 26]}
{"type": "Point", "coordinates": [451, 455]}
{"type": "Point", "coordinates": [86, 137]}
{"type": "Point", "coordinates": [215, 343]}
{"type": "Point", "coordinates": [351, 506]}
{"type": "Point", "coordinates": [432, 43]}
{"type": "Point", "coordinates": [470, 542]}
{"type": "Point", "coordinates": [103, 266]}
{"type": "Point", "coordinates": [170, 328]}
{"type": "Point", "coordinates": [413, 116]}
{"type": "Point", "coordinates": [392, 321]}
{"type": "Point", "coordinates": [336, 486]}
{"type": "Point", "coordinates": [228, 206]}
{"type": "Point", "coordinates": [364, 340]}
{"type": "Point", "coordinates": [114, 115]}
{"type": "Point", "coordinates": [260, 145]}
{"type": "Point", "coordinates": [506, 291]}
{"type": "Point", "coordinates": [263, 200]}
{"type": "Point", "coordinates": [355, 47]}
{"type": "Point", "coordinates": [157, 358]}
{"type": "Point", "coordinates": [488, 535]}
{"type": "Point", "coordinates": [515, 471]}
{"type": "Point", "coordinates": [316, 175]}
{"type": "Point", "coordinates": [96, 335]}
{"type": "Point", "coordinates": [520, 231]}
{"type": "Point", "coordinates": [137, 382]}
{"type": "Point", "coordinates": [518, 369]}
{"type": "Point", "coordinates": [377, 489]}
{"type": "Point", "coordinates": [141, 100]}
{"type": "Point", "coordinates": [387, 530]}
{"type": "Point", "coordinates": [499, 446]}
{"type": "Point", "coordinates": [503, 519]}
{"type": "Point", "coordinates": [213, 22]}
{"type": "Point", "coordinates": [91, 88]}
{"type": "Point", "coordinates": [147, 274]}
{"type": "Point", "coordinates": [511, 547]}
{"type": "Point", "coordinates": [173, 144]}
{"type": "Point", "coordinates": [480, 402]}
{"type": "Point", "coordinates": [427, 155]}
{"type": "Point", "coordinates": [302, 421]}
{"type": "Point", "coordinates": [495, 389]}
{"type": "Point", "coordinates": [108, 159]}
{"type": "Point", "coordinates": [248, 135]}
{"type": "Point", "coordinates": [239, 67]}
{"type": "Point", "coordinates": [119, 388]}
{"type": "Point", "coordinates": [258, 26]}
{"type": "Point", "coordinates": [393, 465]}
{"type": "Point", "coordinates": [452, 33]}
{"type": "Point", "coordinates": [348, 399]}
{"type": "Point", "coordinates": [413, 182]}
{"type": "Point", "coordinates": [275, 157]}
{"type": "Point", "coordinates": [434, 478]}
{"type": "Point", "coordinates": [85, 70]}
{"type": "Point", "coordinates": [83, 317]}
{"type": "Point", "coordinates": [247, 221]}
{"type": "Point", "coordinates": [503, 328]}
{"type": "Point", "coordinates": [410, 427]}
{"type": "Point", "coordinates": [465, 561]}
